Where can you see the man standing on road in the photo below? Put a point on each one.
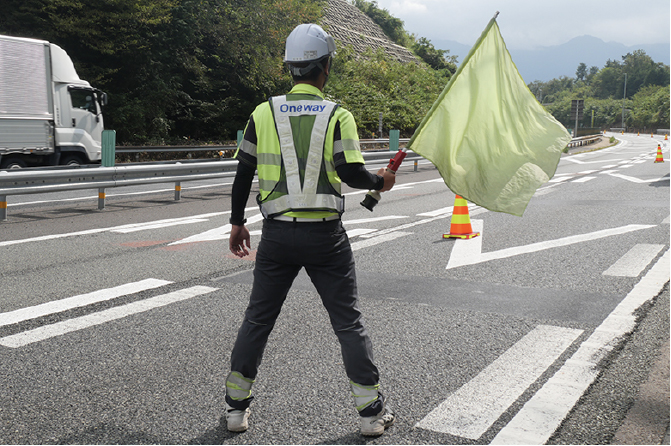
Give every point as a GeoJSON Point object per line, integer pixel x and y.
{"type": "Point", "coordinates": [303, 147]}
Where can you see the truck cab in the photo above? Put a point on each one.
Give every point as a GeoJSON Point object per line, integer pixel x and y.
{"type": "Point", "coordinates": [48, 116]}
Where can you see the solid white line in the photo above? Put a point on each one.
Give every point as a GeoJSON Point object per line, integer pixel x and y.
{"type": "Point", "coordinates": [359, 231]}
{"type": "Point", "coordinates": [24, 314]}
{"type": "Point", "coordinates": [543, 413]}
{"type": "Point", "coordinates": [634, 261]}
{"type": "Point", "coordinates": [583, 180]}
{"type": "Point", "coordinates": [160, 225]}
{"type": "Point", "coordinates": [68, 326]}
{"type": "Point", "coordinates": [377, 240]}
{"type": "Point", "coordinates": [372, 220]}
{"type": "Point", "coordinates": [436, 213]}
{"type": "Point", "coordinates": [637, 180]}
{"type": "Point", "coordinates": [112, 228]}
{"type": "Point", "coordinates": [474, 407]}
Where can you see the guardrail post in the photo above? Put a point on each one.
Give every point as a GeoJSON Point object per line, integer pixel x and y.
{"type": "Point", "coordinates": [108, 148]}
{"type": "Point", "coordinates": [3, 207]}
{"type": "Point", "coordinates": [178, 190]}
{"type": "Point", "coordinates": [393, 140]}
{"type": "Point", "coordinates": [101, 198]}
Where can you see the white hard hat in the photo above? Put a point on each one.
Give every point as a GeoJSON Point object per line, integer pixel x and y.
{"type": "Point", "coordinates": [308, 43]}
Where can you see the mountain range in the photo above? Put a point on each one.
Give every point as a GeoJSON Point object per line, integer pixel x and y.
{"type": "Point", "coordinates": [546, 63]}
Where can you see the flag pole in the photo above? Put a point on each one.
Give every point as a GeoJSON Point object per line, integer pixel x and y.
{"type": "Point", "coordinates": [451, 81]}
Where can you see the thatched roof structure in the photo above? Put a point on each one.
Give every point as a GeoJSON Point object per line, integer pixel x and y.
{"type": "Point", "coordinates": [349, 26]}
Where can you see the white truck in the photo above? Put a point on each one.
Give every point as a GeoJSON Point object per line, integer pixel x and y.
{"type": "Point", "coordinates": [48, 115]}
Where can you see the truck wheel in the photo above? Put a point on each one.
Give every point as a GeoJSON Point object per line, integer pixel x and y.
{"type": "Point", "coordinates": [12, 162]}
{"type": "Point", "coordinates": [71, 160]}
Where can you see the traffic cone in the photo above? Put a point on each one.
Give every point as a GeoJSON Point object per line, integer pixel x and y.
{"type": "Point", "coordinates": [666, 137]}
{"type": "Point", "coordinates": [460, 226]}
{"type": "Point", "coordinates": [652, 135]}
{"type": "Point", "coordinates": [660, 158]}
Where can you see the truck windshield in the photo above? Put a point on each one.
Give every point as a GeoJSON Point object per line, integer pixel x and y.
{"type": "Point", "coordinates": [83, 99]}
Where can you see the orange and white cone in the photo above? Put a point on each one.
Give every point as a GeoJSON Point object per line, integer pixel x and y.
{"type": "Point", "coordinates": [460, 226]}
{"type": "Point", "coordinates": [666, 137]}
{"type": "Point", "coordinates": [660, 158]}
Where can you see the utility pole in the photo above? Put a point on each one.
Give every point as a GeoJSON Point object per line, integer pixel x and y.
{"type": "Point", "coordinates": [624, 96]}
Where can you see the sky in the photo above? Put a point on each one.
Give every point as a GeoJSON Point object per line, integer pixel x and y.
{"type": "Point", "coordinates": [529, 24]}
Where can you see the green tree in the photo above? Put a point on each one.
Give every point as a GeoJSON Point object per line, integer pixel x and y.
{"type": "Point", "coordinates": [435, 58]}
{"type": "Point", "coordinates": [392, 26]}
{"type": "Point", "coordinates": [581, 72]}
{"type": "Point", "coordinates": [376, 83]}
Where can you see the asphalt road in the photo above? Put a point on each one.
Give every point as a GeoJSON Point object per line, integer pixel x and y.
{"type": "Point", "coordinates": [116, 325]}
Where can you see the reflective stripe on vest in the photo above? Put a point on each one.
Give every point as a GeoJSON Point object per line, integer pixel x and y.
{"type": "Point", "coordinates": [303, 198]}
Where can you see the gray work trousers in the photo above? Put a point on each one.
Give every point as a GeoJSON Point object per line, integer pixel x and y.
{"type": "Point", "coordinates": [324, 250]}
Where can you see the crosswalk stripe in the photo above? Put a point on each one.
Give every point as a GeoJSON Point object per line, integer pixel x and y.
{"type": "Point", "coordinates": [24, 314]}
{"type": "Point", "coordinates": [475, 407]}
{"type": "Point", "coordinates": [634, 261]}
{"type": "Point", "coordinates": [90, 320]}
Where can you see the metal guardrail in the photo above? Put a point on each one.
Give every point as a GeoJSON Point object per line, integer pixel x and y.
{"type": "Point", "coordinates": [164, 149]}
{"type": "Point", "coordinates": [20, 182]}
{"type": "Point", "coordinates": [584, 140]}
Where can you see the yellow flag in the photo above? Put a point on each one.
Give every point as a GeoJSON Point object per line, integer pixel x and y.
{"type": "Point", "coordinates": [490, 139]}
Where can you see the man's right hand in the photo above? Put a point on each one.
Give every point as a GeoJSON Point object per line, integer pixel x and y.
{"type": "Point", "coordinates": [238, 239]}
{"type": "Point", "coordinates": [389, 178]}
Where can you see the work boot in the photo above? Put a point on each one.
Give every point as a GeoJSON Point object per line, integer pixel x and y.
{"type": "Point", "coordinates": [374, 426]}
{"type": "Point", "coordinates": [237, 420]}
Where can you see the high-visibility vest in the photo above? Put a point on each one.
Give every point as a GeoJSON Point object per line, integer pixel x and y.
{"type": "Point", "coordinates": [283, 188]}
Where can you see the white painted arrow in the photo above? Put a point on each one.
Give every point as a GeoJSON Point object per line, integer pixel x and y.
{"type": "Point", "coordinates": [469, 252]}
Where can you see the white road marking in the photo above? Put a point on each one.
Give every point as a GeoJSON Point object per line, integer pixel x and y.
{"type": "Point", "coordinates": [638, 180]}
{"type": "Point", "coordinates": [475, 406]}
{"type": "Point", "coordinates": [437, 212]}
{"type": "Point", "coordinates": [359, 231]}
{"type": "Point", "coordinates": [148, 226]}
{"type": "Point", "coordinates": [219, 233]}
{"type": "Point", "coordinates": [111, 229]}
{"type": "Point", "coordinates": [79, 323]}
{"type": "Point", "coordinates": [583, 180]}
{"type": "Point", "coordinates": [577, 161]}
{"type": "Point", "coordinates": [543, 413]}
{"type": "Point", "coordinates": [24, 314]}
{"type": "Point", "coordinates": [379, 239]}
{"type": "Point", "coordinates": [634, 261]}
{"type": "Point", "coordinates": [473, 257]}
{"type": "Point", "coordinates": [373, 220]}
{"type": "Point", "coordinates": [560, 179]}
{"type": "Point", "coordinates": [467, 249]}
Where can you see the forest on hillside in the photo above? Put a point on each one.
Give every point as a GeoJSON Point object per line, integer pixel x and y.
{"type": "Point", "coordinates": [193, 70]}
